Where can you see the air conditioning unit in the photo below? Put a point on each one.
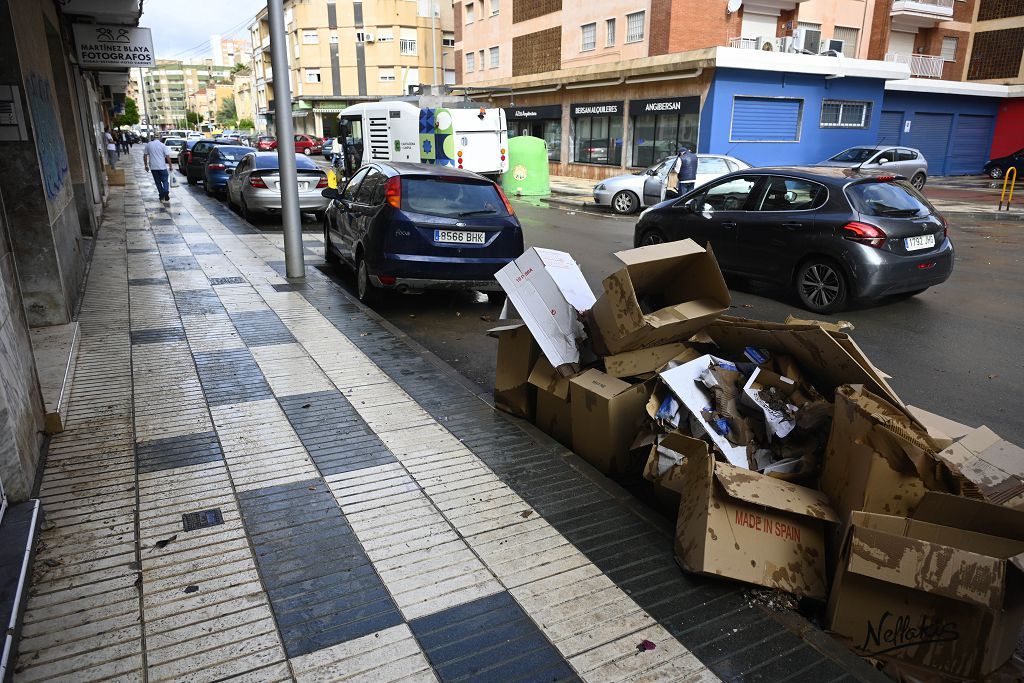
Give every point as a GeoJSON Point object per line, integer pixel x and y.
{"type": "Point", "coordinates": [787, 44]}
{"type": "Point", "coordinates": [766, 43]}
{"type": "Point", "coordinates": [364, 37]}
{"type": "Point", "coordinates": [834, 45]}
{"type": "Point", "coordinates": [807, 40]}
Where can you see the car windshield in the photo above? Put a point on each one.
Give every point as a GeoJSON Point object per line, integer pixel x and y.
{"type": "Point", "coordinates": [895, 199]}
{"type": "Point", "coordinates": [457, 197]}
{"type": "Point", "coordinates": [234, 153]}
{"type": "Point", "coordinates": [174, 142]}
{"type": "Point", "coordinates": [855, 155]}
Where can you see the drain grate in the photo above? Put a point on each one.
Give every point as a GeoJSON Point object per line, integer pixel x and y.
{"type": "Point", "coordinates": [201, 520]}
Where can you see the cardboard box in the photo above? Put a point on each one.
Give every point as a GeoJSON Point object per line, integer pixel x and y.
{"type": "Point", "coordinates": [517, 356]}
{"type": "Point", "coordinates": [553, 414]}
{"type": "Point", "coordinates": [664, 468]}
{"type": "Point", "coordinates": [549, 292]}
{"type": "Point", "coordinates": [680, 279]}
{"type": "Point", "coordinates": [643, 361]}
{"type": "Point", "coordinates": [942, 589]}
{"type": "Point", "coordinates": [606, 414]}
{"type": "Point", "coordinates": [982, 465]}
{"type": "Point", "coordinates": [751, 527]}
{"type": "Point", "coordinates": [877, 459]}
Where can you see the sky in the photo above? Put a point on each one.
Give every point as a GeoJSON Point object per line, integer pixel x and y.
{"type": "Point", "coordinates": [182, 28]}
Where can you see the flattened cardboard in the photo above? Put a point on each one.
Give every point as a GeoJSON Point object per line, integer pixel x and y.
{"type": "Point", "coordinates": [940, 590]}
{"type": "Point", "coordinates": [553, 413]}
{"type": "Point", "coordinates": [986, 467]}
{"type": "Point", "coordinates": [753, 528]}
{"type": "Point", "coordinates": [517, 355]}
{"type": "Point", "coordinates": [643, 361]}
{"type": "Point", "coordinates": [549, 292]}
{"type": "Point", "coordinates": [606, 414]}
{"type": "Point", "coordinates": [681, 275]}
{"type": "Point", "coordinates": [941, 428]}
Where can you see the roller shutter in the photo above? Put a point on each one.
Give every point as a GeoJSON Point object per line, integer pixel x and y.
{"type": "Point", "coordinates": [889, 127]}
{"type": "Point", "coordinates": [766, 119]}
{"type": "Point", "coordinates": [971, 141]}
{"type": "Point", "coordinates": [930, 133]}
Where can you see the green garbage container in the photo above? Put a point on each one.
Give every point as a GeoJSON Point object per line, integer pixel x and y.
{"type": "Point", "coordinates": [527, 174]}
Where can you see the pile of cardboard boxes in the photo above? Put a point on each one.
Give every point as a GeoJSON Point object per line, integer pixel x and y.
{"type": "Point", "coordinates": [785, 456]}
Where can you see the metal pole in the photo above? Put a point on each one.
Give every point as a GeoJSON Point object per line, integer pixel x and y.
{"type": "Point", "coordinates": [145, 105]}
{"type": "Point", "coordinates": [289, 186]}
{"type": "Point", "coordinates": [433, 36]}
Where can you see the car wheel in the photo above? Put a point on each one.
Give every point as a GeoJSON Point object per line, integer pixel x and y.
{"type": "Point", "coordinates": [625, 202]}
{"type": "Point", "coordinates": [320, 216]}
{"type": "Point", "coordinates": [243, 209]}
{"type": "Point", "coordinates": [365, 290]}
{"type": "Point", "coordinates": [190, 179]}
{"type": "Point", "coordinates": [231, 200]}
{"type": "Point", "coordinates": [651, 237]}
{"type": "Point", "coordinates": [308, 151]}
{"type": "Point", "coordinates": [206, 188]}
{"type": "Point", "coordinates": [821, 286]}
{"type": "Point", "coordinates": [496, 298]}
{"type": "Point", "coordinates": [918, 180]}
{"type": "Point", "coordinates": [995, 173]}
{"type": "Point", "coordinates": [329, 254]}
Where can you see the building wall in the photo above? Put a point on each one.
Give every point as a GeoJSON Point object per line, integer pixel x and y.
{"type": "Point", "coordinates": [576, 13]}
{"type": "Point", "coordinates": [680, 25]}
{"type": "Point", "coordinates": [1009, 132]}
{"type": "Point", "coordinates": [996, 44]}
{"type": "Point", "coordinates": [857, 14]}
{"type": "Point", "coordinates": [815, 143]}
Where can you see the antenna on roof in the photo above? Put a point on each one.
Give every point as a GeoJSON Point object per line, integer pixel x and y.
{"type": "Point", "coordinates": [856, 169]}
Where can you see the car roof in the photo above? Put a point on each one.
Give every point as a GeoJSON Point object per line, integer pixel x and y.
{"type": "Point", "coordinates": [393, 168]}
{"type": "Point", "coordinates": [880, 145]}
{"type": "Point", "coordinates": [244, 148]}
{"type": "Point", "coordinates": [269, 160]}
{"type": "Point", "coordinates": [835, 174]}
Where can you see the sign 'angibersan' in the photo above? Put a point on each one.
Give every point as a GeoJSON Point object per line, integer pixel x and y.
{"type": "Point", "coordinates": [111, 46]}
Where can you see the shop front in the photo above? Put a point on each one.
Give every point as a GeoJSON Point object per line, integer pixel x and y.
{"type": "Point", "coordinates": [597, 133]}
{"type": "Point", "coordinates": [660, 126]}
{"type": "Point", "coordinates": [544, 122]}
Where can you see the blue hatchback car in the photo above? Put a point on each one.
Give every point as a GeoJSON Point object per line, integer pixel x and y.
{"type": "Point", "coordinates": [220, 164]}
{"type": "Point", "coordinates": [410, 227]}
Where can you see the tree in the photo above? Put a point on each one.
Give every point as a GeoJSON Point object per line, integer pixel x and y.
{"type": "Point", "coordinates": [246, 124]}
{"type": "Point", "coordinates": [227, 113]}
{"type": "Point", "coordinates": [239, 68]}
{"type": "Point", "coordinates": [130, 117]}
{"type": "Point", "coordinates": [193, 118]}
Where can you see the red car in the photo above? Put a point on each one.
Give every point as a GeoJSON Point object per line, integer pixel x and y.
{"type": "Point", "coordinates": [266, 143]}
{"type": "Point", "coordinates": [308, 144]}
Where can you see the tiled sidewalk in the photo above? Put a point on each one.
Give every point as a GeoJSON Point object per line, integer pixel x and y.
{"type": "Point", "coordinates": [363, 514]}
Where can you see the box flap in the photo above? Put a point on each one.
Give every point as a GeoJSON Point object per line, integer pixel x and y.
{"type": "Point", "coordinates": [939, 427]}
{"type": "Point", "coordinates": [658, 252]}
{"type": "Point", "coordinates": [600, 384]}
{"type": "Point", "coordinates": [567, 275]}
{"type": "Point", "coordinates": [759, 489]}
{"type": "Point", "coordinates": [989, 467]}
{"type": "Point", "coordinates": [970, 515]}
{"type": "Point", "coordinates": [930, 567]}
{"type": "Point", "coordinates": [494, 331]}
{"type": "Point", "coordinates": [545, 377]}
{"type": "Point", "coordinates": [633, 363]}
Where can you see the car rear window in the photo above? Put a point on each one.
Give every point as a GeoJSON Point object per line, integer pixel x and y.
{"type": "Point", "coordinates": [898, 198]}
{"type": "Point", "coordinates": [234, 153]}
{"type": "Point", "coordinates": [854, 155]}
{"type": "Point", "coordinates": [442, 197]}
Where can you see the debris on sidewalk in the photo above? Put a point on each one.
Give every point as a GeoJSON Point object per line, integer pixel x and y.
{"type": "Point", "coordinates": [782, 453]}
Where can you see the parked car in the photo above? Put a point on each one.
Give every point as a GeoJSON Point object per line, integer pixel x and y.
{"type": "Point", "coordinates": [997, 168]}
{"type": "Point", "coordinates": [628, 193]}
{"type": "Point", "coordinates": [828, 234]}
{"type": "Point", "coordinates": [406, 226]}
{"type": "Point", "coordinates": [308, 144]}
{"type": "Point", "coordinates": [195, 165]}
{"type": "Point", "coordinates": [265, 143]}
{"type": "Point", "coordinates": [254, 187]}
{"type": "Point", "coordinates": [183, 155]}
{"type": "Point", "coordinates": [328, 148]}
{"type": "Point", "coordinates": [175, 145]}
{"type": "Point", "coordinates": [904, 161]}
{"type": "Point", "coordinates": [220, 164]}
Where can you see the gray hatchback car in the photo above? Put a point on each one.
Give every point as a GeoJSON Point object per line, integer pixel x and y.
{"type": "Point", "coordinates": [905, 161]}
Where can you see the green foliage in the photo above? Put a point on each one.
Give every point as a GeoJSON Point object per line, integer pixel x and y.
{"type": "Point", "coordinates": [193, 118]}
{"type": "Point", "coordinates": [227, 113]}
{"type": "Point", "coordinates": [246, 124]}
{"type": "Point", "coordinates": [130, 117]}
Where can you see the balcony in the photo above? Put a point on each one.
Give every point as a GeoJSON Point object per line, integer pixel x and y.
{"type": "Point", "coordinates": [914, 14]}
{"type": "Point", "coordinates": [921, 66]}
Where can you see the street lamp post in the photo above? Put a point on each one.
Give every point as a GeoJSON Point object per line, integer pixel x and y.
{"type": "Point", "coordinates": [289, 186]}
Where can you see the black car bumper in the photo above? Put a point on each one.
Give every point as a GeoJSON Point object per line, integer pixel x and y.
{"type": "Point", "coordinates": [880, 273]}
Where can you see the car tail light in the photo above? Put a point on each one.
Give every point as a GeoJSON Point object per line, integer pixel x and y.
{"type": "Point", "coordinates": [257, 181]}
{"type": "Point", "coordinates": [508, 205]}
{"type": "Point", "coordinates": [945, 227]}
{"type": "Point", "coordinates": [865, 233]}
{"type": "Point", "coordinates": [393, 192]}
{"type": "Point", "coordinates": [387, 279]}
{"type": "Point", "coordinates": [187, 155]}
{"type": "Point", "coordinates": [322, 183]}
{"type": "Point", "coordinates": [216, 167]}
{"type": "Point", "coordinates": [885, 178]}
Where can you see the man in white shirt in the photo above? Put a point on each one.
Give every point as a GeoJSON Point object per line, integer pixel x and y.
{"type": "Point", "coordinates": [108, 139]}
{"type": "Point", "coordinates": [157, 159]}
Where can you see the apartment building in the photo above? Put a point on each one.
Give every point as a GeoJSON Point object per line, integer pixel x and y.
{"type": "Point", "coordinates": [245, 95]}
{"type": "Point", "coordinates": [995, 54]}
{"type": "Point", "coordinates": [345, 52]}
{"type": "Point", "coordinates": [230, 51]}
{"type": "Point", "coordinates": [170, 85]}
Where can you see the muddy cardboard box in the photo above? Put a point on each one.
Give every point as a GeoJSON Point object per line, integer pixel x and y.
{"type": "Point", "coordinates": [517, 356]}
{"type": "Point", "coordinates": [553, 413]}
{"type": "Point", "coordinates": [753, 528]}
{"type": "Point", "coordinates": [663, 293]}
{"type": "Point", "coordinates": [943, 589]}
{"type": "Point", "coordinates": [607, 412]}
{"type": "Point", "coordinates": [664, 468]}
{"type": "Point", "coordinates": [984, 466]}
{"type": "Point", "coordinates": [645, 361]}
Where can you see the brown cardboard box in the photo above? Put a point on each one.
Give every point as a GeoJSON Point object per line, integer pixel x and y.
{"type": "Point", "coordinates": [643, 361]}
{"type": "Point", "coordinates": [517, 355]}
{"type": "Point", "coordinates": [664, 468]}
{"type": "Point", "coordinates": [942, 589]}
{"type": "Point", "coordinates": [606, 414]}
{"type": "Point", "coordinates": [553, 414]}
{"type": "Point", "coordinates": [751, 527]}
{"type": "Point", "coordinates": [680, 277]}
{"type": "Point", "coordinates": [982, 465]}
{"type": "Point", "coordinates": [877, 459]}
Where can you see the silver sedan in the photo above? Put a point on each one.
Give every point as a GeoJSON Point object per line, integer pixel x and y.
{"type": "Point", "coordinates": [255, 185]}
{"type": "Point", "coordinates": [629, 193]}
{"type": "Point", "coordinates": [904, 161]}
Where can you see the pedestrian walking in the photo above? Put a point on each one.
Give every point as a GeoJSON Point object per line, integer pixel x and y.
{"type": "Point", "coordinates": [126, 142]}
{"type": "Point", "coordinates": [157, 159]}
{"type": "Point", "coordinates": [108, 140]}
{"type": "Point", "coordinates": [686, 170]}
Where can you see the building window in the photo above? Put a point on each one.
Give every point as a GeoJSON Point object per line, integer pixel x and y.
{"type": "Point", "coordinates": [844, 114]}
{"type": "Point", "coordinates": [849, 36]}
{"type": "Point", "coordinates": [310, 38]}
{"type": "Point", "coordinates": [495, 59]}
{"type": "Point", "coordinates": [312, 75]}
{"type": "Point", "coordinates": [609, 32]}
{"type": "Point", "coordinates": [657, 136]}
{"type": "Point", "coordinates": [470, 62]}
{"type": "Point", "coordinates": [385, 73]}
{"type": "Point", "coordinates": [949, 45]}
{"type": "Point", "coordinates": [480, 60]}
{"type": "Point", "coordinates": [447, 39]}
{"type": "Point", "coordinates": [996, 54]}
{"type": "Point", "coordinates": [407, 46]}
{"type": "Point", "coordinates": [334, 37]}
{"type": "Point", "coordinates": [385, 35]}
{"type": "Point", "coordinates": [588, 37]}
{"type": "Point", "coordinates": [495, 6]}
{"type": "Point", "coordinates": [598, 138]}
{"type": "Point", "coordinates": [635, 27]}
{"type": "Point", "coordinates": [469, 13]}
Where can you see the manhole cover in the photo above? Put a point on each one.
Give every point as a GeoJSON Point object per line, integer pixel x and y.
{"type": "Point", "coordinates": [201, 520]}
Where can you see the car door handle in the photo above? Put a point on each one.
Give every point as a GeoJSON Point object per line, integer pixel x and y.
{"type": "Point", "coordinates": [792, 226]}
{"type": "Point", "coordinates": [729, 225]}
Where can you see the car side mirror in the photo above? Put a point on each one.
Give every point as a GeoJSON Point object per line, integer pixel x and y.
{"type": "Point", "coordinates": [883, 160]}
{"type": "Point", "coordinates": [330, 193]}
{"type": "Point", "coordinates": [690, 205]}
